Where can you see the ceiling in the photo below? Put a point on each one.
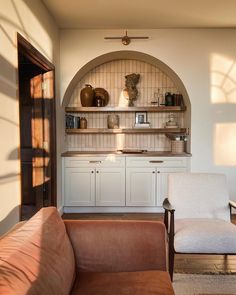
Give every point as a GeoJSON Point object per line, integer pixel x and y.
{"type": "Point", "coordinates": [142, 14]}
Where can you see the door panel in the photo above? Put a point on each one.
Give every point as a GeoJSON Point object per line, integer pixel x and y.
{"type": "Point", "coordinates": [80, 187]}
{"type": "Point", "coordinates": [140, 186]}
{"type": "Point", "coordinates": [110, 186]}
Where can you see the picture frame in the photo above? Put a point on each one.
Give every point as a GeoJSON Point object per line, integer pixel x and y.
{"type": "Point", "coordinates": [140, 117]}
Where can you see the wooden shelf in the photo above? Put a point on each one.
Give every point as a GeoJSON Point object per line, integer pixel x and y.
{"type": "Point", "coordinates": [126, 131]}
{"type": "Point", "coordinates": [125, 109]}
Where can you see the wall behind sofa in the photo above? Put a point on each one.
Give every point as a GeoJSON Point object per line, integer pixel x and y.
{"type": "Point", "coordinates": [204, 59]}
{"type": "Point", "coordinates": [32, 20]}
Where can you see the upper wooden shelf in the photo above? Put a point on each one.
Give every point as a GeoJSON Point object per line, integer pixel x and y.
{"type": "Point", "coordinates": [125, 109]}
{"type": "Point", "coordinates": [126, 131]}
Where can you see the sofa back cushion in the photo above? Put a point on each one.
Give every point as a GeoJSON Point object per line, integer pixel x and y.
{"type": "Point", "coordinates": [199, 195]}
{"type": "Point", "coordinates": [114, 246]}
{"type": "Point", "coordinates": [37, 258]}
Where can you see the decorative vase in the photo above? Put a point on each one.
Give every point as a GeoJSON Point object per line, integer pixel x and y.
{"type": "Point", "coordinates": [87, 96]}
{"type": "Point", "coordinates": [83, 123]}
{"type": "Point", "coordinates": [113, 121]}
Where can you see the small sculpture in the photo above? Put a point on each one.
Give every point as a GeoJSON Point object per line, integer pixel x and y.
{"type": "Point", "coordinates": [130, 88]}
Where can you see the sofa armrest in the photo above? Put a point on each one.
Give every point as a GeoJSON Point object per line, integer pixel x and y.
{"type": "Point", "coordinates": [113, 246]}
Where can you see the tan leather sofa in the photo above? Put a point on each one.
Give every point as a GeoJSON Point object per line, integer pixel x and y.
{"type": "Point", "coordinates": [49, 256]}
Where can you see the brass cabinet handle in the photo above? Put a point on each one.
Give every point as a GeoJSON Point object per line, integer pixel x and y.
{"type": "Point", "coordinates": [97, 171]}
{"type": "Point", "coordinates": [95, 162]}
{"type": "Point", "coordinates": [92, 171]}
{"type": "Point", "coordinates": [156, 161]}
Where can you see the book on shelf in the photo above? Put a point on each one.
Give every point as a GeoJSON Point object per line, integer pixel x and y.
{"type": "Point", "coordinates": [142, 125]}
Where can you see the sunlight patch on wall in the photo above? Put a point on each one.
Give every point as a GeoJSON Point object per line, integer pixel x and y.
{"type": "Point", "coordinates": [225, 144]}
{"type": "Point", "coordinates": [223, 79]}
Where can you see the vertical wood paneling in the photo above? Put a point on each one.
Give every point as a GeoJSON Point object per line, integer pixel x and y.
{"type": "Point", "coordinates": [111, 76]}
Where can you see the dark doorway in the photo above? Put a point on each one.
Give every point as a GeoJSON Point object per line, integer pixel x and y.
{"type": "Point", "coordinates": [37, 129]}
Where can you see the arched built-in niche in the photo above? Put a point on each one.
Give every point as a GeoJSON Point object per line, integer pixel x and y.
{"type": "Point", "coordinates": [113, 66]}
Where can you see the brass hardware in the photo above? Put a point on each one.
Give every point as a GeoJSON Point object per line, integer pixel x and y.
{"type": "Point", "coordinates": [125, 39]}
{"type": "Point", "coordinates": [158, 171]}
{"type": "Point", "coordinates": [92, 171]}
{"type": "Point", "coordinates": [153, 171]}
{"type": "Point", "coordinates": [95, 162]}
{"type": "Point", "coordinates": [97, 171]}
{"type": "Point", "coordinates": [156, 161]}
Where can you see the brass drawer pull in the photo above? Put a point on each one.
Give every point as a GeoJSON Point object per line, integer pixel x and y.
{"type": "Point", "coordinates": [156, 161]}
{"type": "Point", "coordinates": [95, 162]}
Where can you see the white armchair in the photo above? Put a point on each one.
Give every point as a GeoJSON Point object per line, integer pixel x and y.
{"type": "Point", "coordinates": [197, 215]}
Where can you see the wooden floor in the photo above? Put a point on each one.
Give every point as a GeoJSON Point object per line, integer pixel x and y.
{"type": "Point", "coordinates": [184, 263]}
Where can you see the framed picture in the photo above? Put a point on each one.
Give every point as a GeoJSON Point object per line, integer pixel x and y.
{"type": "Point", "coordinates": [140, 117]}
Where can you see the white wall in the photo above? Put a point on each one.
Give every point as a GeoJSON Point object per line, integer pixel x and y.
{"type": "Point", "coordinates": [30, 19]}
{"type": "Point", "coordinates": [200, 57]}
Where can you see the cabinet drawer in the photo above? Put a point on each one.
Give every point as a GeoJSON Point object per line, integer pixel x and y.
{"type": "Point", "coordinates": [156, 162]}
{"type": "Point", "coordinates": [109, 161]}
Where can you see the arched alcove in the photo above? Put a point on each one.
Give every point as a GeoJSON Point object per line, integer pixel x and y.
{"type": "Point", "coordinates": [131, 55]}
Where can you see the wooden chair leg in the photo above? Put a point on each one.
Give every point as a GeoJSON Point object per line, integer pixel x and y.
{"type": "Point", "coordinates": [171, 262]}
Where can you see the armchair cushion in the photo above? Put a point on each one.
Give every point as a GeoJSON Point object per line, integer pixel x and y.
{"type": "Point", "coordinates": [123, 283]}
{"type": "Point", "coordinates": [199, 195]}
{"type": "Point", "coordinates": [204, 236]}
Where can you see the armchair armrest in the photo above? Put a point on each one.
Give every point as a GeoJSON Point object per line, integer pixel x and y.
{"type": "Point", "coordinates": [167, 205]}
{"type": "Point", "coordinates": [170, 227]}
{"type": "Point", "coordinates": [232, 204]}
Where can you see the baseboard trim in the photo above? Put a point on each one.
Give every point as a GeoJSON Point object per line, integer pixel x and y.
{"type": "Point", "coordinates": [68, 209]}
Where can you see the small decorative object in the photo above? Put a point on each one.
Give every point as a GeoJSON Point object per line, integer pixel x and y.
{"type": "Point", "coordinates": [130, 88]}
{"type": "Point", "coordinates": [113, 121]}
{"type": "Point", "coordinates": [87, 96]}
{"type": "Point", "coordinates": [140, 117]}
{"type": "Point", "coordinates": [178, 99]}
{"type": "Point", "coordinates": [169, 99]}
{"type": "Point", "coordinates": [98, 101]}
{"type": "Point", "coordinates": [83, 123]}
{"type": "Point", "coordinates": [69, 121]}
{"type": "Point", "coordinates": [156, 99]}
{"type": "Point", "coordinates": [177, 146]}
{"type": "Point", "coordinates": [171, 123]}
{"type": "Point", "coordinates": [103, 95]}
{"type": "Point", "coordinates": [77, 124]}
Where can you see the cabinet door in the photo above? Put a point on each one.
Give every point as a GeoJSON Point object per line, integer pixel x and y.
{"type": "Point", "coordinates": [110, 186]}
{"type": "Point", "coordinates": [162, 182]}
{"type": "Point", "coordinates": [140, 186]}
{"type": "Point", "coordinates": [79, 187]}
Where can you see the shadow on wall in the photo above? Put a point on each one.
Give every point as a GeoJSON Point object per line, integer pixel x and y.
{"type": "Point", "coordinates": [6, 223]}
{"type": "Point", "coordinates": [19, 26]}
{"type": "Point", "coordinates": [8, 84]}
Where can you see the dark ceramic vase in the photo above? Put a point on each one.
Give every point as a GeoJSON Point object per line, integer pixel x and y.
{"type": "Point", "coordinates": [87, 96]}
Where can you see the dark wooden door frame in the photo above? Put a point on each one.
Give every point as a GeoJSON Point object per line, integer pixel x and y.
{"type": "Point", "coordinates": [30, 52]}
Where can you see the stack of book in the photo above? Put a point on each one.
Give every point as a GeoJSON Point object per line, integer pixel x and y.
{"type": "Point", "coordinates": [142, 125]}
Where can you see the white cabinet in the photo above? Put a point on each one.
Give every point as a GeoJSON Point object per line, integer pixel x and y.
{"type": "Point", "coordinates": [110, 187]}
{"type": "Point", "coordinates": [147, 179]}
{"type": "Point", "coordinates": [118, 181]}
{"type": "Point", "coordinates": [95, 181]}
{"type": "Point", "coordinates": [140, 187]}
{"type": "Point", "coordinates": [79, 187]}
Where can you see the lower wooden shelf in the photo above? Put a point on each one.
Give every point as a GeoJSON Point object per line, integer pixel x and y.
{"type": "Point", "coordinates": [126, 131]}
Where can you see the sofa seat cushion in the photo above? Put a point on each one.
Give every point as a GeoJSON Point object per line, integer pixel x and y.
{"type": "Point", "coordinates": [204, 236]}
{"type": "Point", "coordinates": [120, 283]}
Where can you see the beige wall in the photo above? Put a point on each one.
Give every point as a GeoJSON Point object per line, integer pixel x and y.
{"type": "Point", "coordinates": [30, 19]}
{"type": "Point", "coordinates": [204, 59]}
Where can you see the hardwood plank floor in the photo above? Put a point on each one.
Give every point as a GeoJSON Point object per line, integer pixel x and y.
{"type": "Point", "coordinates": [184, 263]}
